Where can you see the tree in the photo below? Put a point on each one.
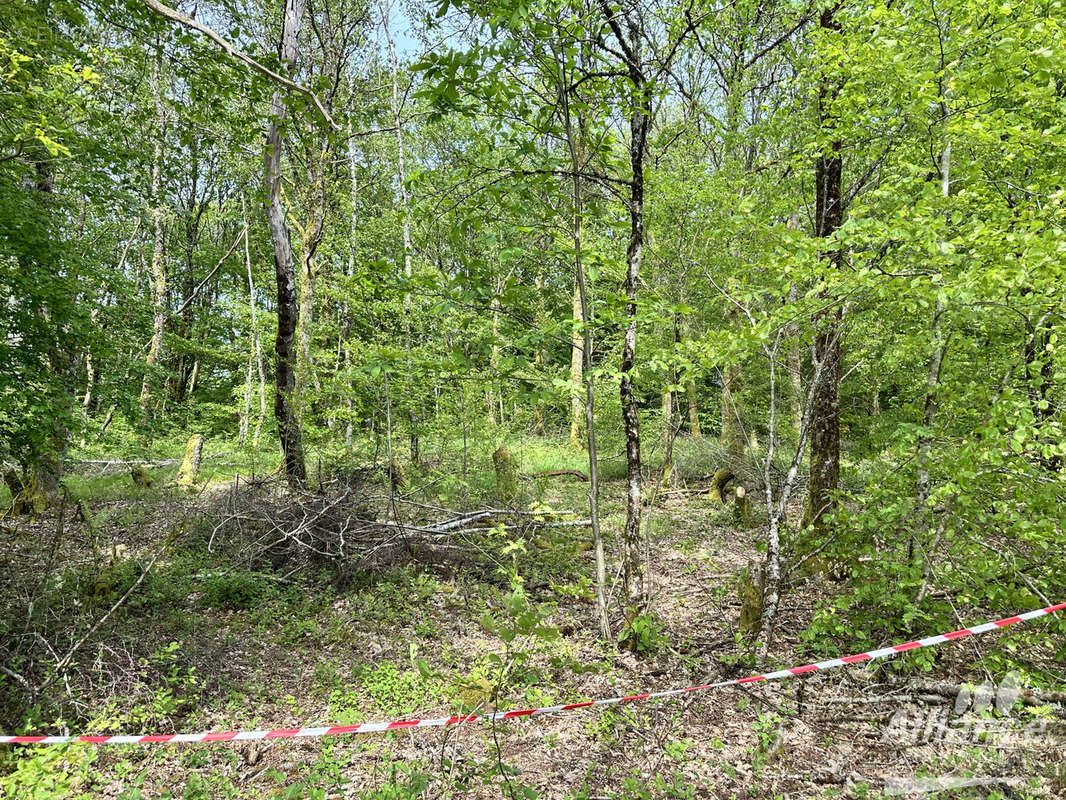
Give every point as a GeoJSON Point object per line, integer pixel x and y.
{"type": "Point", "coordinates": [828, 217]}
{"type": "Point", "coordinates": [284, 262]}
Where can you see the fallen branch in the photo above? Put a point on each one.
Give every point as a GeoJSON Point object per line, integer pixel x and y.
{"type": "Point", "coordinates": [581, 476]}
{"type": "Point", "coordinates": [1029, 697]}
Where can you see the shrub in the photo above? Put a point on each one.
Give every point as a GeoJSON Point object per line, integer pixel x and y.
{"type": "Point", "coordinates": [236, 591]}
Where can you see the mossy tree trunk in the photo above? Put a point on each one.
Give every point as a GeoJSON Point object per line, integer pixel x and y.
{"type": "Point", "coordinates": [506, 475]}
{"type": "Point", "coordinates": [190, 465]}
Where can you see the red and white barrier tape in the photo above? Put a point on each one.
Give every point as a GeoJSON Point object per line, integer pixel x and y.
{"type": "Point", "coordinates": [377, 727]}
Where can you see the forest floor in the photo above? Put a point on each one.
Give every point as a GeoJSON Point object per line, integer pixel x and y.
{"type": "Point", "coordinates": [211, 640]}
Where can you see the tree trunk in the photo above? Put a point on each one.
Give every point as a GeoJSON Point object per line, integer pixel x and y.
{"type": "Point", "coordinates": [538, 357]}
{"type": "Point", "coordinates": [795, 357]}
{"type": "Point", "coordinates": [346, 313]}
{"type": "Point", "coordinates": [583, 337]}
{"type": "Point", "coordinates": [693, 409]}
{"type": "Point", "coordinates": [190, 465]}
{"type": "Point", "coordinates": [284, 375]}
{"type": "Point", "coordinates": [632, 569]}
{"type": "Point", "coordinates": [246, 405]}
{"type": "Point", "coordinates": [495, 400]}
{"type": "Point", "coordinates": [311, 237]}
{"type": "Point", "coordinates": [691, 397]}
{"type": "Point", "coordinates": [405, 209]}
{"type": "Point", "coordinates": [924, 483]}
{"type": "Point", "coordinates": [828, 217]}
{"type": "Point", "coordinates": [194, 376]}
{"type": "Point", "coordinates": [159, 275]}
{"type": "Point", "coordinates": [256, 341]}
{"type": "Point", "coordinates": [577, 354]}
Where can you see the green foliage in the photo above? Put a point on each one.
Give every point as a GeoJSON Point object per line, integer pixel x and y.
{"type": "Point", "coordinates": [395, 692]}
{"type": "Point", "coordinates": [644, 634]}
{"type": "Point", "coordinates": [50, 772]}
{"type": "Point", "coordinates": [237, 590]}
{"type": "Point", "coordinates": [402, 782]}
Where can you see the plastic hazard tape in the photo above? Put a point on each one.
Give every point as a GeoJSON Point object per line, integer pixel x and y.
{"type": "Point", "coordinates": [378, 727]}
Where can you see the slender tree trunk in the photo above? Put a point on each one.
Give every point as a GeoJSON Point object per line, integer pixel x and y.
{"type": "Point", "coordinates": [257, 342]}
{"type": "Point", "coordinates": [924, 482]}
{"type": "Point", "coordinates": [246, 405]}
{"type": "Point", "coordinates": [284, 268]}
{"type": "Point", "coordinates": [159, 274]}
{"type": "Point", "coordinates": [733, 433]}
{"type": "Point", "coordinates": [193, 376]}
{"type": "Point", "coordinates": [632, 569]}
{"type": "Point", "coordinates": [669, 409]}
{"type": "Point", "coordinates": [828, 217]}
{"type": "Point", "coordinates": [405, 209]}
{"type": "Point", "coordinates": [577, 355]}
{"type": "Point", "coordinates": [936, 359]}
{"type": "Point", "coordinates": [583, 315]}
{"type": "Point", "coordinates": [43, 488]}
{"type": "Point", "coordinates": [693, 409]}
{"type": "Point", "coordinates": [538, 357]}
{"type": "Point", "coordinates": [495, 400]}
{"type": "Point", "coordinates": [90, 376]}
{"type": "Point", "coordinates": [311, 236]}
{"type": "Point", "coordinates": [795, 355]}
{"type": "Point", "coordinates": [346, 325]}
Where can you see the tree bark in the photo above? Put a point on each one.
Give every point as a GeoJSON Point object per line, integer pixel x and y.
{"type": "Point", "coordinates": [311, 238]}
{"type": "Point", "coordinates": [190, 465]}
{"type": "Point", "coordinates": [693, 409]}
{"type": "Point", "coordinates": [924, 483]}
{"type": "Point", "coordinates": [577, 380]}
{"type": "Point", "coordinates": [495, 398]}
{"type": "Point", "coordinates": [576, 135]}
{"type": "Point", "coordinates": [632, 569]}
{"type": "Point", "coordinates": [795, 357]}
{"type": "Point", "coordinates": [284, 357]}
{"type": "Point", "coordinates": [828, 217]}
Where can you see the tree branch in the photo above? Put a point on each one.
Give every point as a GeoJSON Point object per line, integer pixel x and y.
{"type": "Point", "coordinates": [190, 22]}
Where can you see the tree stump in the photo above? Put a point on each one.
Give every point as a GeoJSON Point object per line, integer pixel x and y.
{"type": "Point", "coordinates": [190, 465]}
{"type": "Point", "coordinates": [506, 475]}
{"type": "Point", "coordinates": [718, 483]}
{"type": "Point", "coordinates": [742, 515]}
{"type": "Point", "coordinates": [27, 497]}
{"type": "Point", "coordinates": [397, 477]}
{"type": "Point", "coordinates": [751, 589]}
{"type": "Point", "coordinates": [142, 478]}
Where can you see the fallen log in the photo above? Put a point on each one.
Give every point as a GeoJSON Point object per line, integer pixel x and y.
{"type": "Point", "coordinates": [555, 473]}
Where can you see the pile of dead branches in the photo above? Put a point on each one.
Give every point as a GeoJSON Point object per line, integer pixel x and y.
{"type": "Point", "coordinates": [343, 523]}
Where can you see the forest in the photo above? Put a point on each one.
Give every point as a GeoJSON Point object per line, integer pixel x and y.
{"type": "Point", "coordinates": [394, 395]}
